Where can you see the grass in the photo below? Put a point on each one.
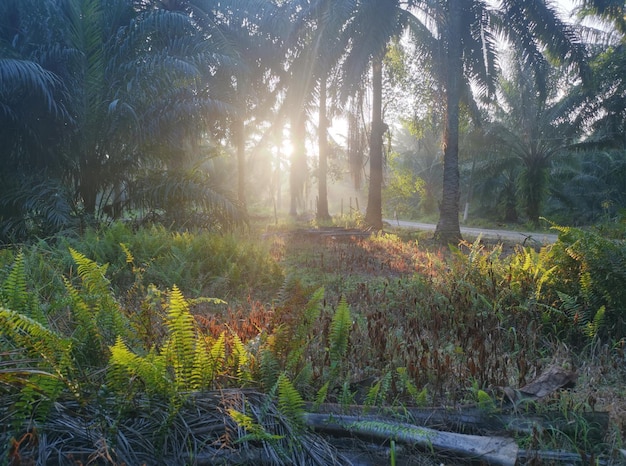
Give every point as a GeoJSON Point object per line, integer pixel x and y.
{"type": "Point", "coordinates": [381, 320]}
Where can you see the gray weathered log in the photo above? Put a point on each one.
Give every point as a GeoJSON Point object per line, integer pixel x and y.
{"type": "Point", "coordinates": [494, 450]}
{"type": "Point", "coordinates": [474, 420]}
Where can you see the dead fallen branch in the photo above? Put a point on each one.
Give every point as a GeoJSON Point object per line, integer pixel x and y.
{"type": "Point", "coordinates": [474, 420]}
{"type": "Point", "coordinates": [493, 450]}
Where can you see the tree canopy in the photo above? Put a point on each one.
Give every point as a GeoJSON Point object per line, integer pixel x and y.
{"type": "Point", "coordinates": [177, 109]}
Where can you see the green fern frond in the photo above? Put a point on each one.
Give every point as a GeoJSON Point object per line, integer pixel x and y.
{"type": "Point", "coordinates": [130, 259]}
{"type": "Point", "coordinates": [99, 319]}
{"type": "Point", "coordinates": [14, 293]}
{"type": "Point", "coordinates": [200, 372]}
{"type": "Point", "coordinates": [378, 392]}
{"type": "Point", "coordinates": [125, 369]}
{"type": "Point", "coordinates": [417, 396]}
{"type": "Point", "coordinates": [38, 341]}
{"type": "Point", "coordinates": [92, 275]}
{"type": "Point", "coordinates": [182, 339]}
{"type": "Point", "coordinates": [596, 323]}
{"type": "Point", "coordinates": [301, 334]}
{"type": "Point", "coordinates": [217, 357]}
{"type": "Point", "coordinates": [339, 334]}
{"type": "Point", "coordinates": [372, 395]}
{"type": "Point", "coordinates": [255, 430]}
{"type": "Point", "coordinates": [586, 285]}
{"type": "Point", "coordinates": [313, 308]}
{"type": "Point", "coordinates": [241, 359]}
{"type": "Point", "coordinates": [269, 368]}
{"type": "Point", "coordinates": [290, 403]}
{"type": "Point", "coordinates": [321, 396]}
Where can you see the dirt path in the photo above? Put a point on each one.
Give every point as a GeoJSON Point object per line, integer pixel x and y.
{"type": "Point", "coordinates": [470, 233]}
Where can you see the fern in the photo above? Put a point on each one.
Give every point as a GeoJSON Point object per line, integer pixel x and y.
{"type": "Point", "coordinates": [93, 276]}
{"type": "Point", "coordinates": [593, 327]}
{"type": "Point", "coordinates": [320, 398]}
{"type": "Point", "coordinates": [27, 333]}
{"type": "Point", "coordinates": [378, 392]}
{"type": "Point", "coordinates": [14, 293]}
{"type": "Point", "coordinates": [241, 360]}
{"type": "Point", "coordinates": [339, 336]}
{"type": "Point", "coordinates": [180, 348]}
{"type": "Point", "coordinates": [255, 430]}
{"type": "Point", "coordinates": [419, 397]}
{"type": "Point", "coordinates": [217, 357]}
{"type": "Point", "coordinates": [301, 334]}
{"type": "Point", "coordinates": [269, 368]}
{"type": "Point", "coordinates": [290, 403]}
{"type": "Point", "coordinates": [592, 269]}
{"type": "Point", "coordinates": [38, 387]}
{"type": "Point", "coordinates": [99, 318]}
{"type": "Point", "coordinates": [185, 362]}
{"type": "Point", "coordinates": [126, 369]}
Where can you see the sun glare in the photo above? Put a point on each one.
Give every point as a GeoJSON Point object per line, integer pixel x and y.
{"type": "Point", "coordinates": [286, 148]}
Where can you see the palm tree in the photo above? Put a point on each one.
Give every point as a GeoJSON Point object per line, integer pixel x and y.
{"type": "Point", "coordinates": [33, 112]}
{"type": "Point", "coordinates": [138, 83]}
{"type": "Point", "coordinates": [374, 24]}
{"type": "Point", "coordinates": [467, 31]}
{"type": "Point", "coordinates": [533, 126]}
{"type": "Point", "coordinates": [314, 48]}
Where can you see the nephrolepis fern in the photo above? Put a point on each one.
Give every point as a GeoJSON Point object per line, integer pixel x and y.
{"type": "Point", "coordinates": [180, 348]}
{"type": "Point", "coordinates": [339, 336]}
{"type": "Point", "coordinates": [187, 361]}
{"type": "Point", "coordinates": [41, 384]}
{"type": "Point", "coordinates": [38, 341]}
{"type": "Point", "coordinates": [99, 319]}
{"type": "Point", "coordinates": [126, 369]}
{"type": "Point", "coordinates": [290, 403]}
{"type": "Point", "coordinates": [14, 293]}
{"type": "Point", "coordinates": [241, 360]}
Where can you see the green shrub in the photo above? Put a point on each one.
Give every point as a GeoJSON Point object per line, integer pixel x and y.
{"type": "Point", "coordinates": [590, 273]}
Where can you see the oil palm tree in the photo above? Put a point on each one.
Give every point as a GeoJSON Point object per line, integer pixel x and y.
{"type": "Point", "coordinates": [137, 84]}
{"type": "Point", "coordinates": [466, 31]}
{"type": "Point", "coordinates": [374, 24]}
{"type": "Point", "coordinates": [33, 112]}
{"type": "Point", "coordinates": [529, 26]}
{"type": "Point", "coordinates": [314, 48]}
{"type": "Point", "coordinates": [534, 127]}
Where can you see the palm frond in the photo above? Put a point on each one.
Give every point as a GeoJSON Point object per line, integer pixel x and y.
{"type": "Point", "coordinates": [23, 76]}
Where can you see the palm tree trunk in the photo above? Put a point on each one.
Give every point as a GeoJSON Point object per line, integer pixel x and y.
{"type": "Point", "coordinates": [298, 169]}
{"type": "Point", "coordinates": [374, 211]}
{"type": "Point", "coordinates": [322, 200]}
{"type": "Point", "coordinates": [448, 228]}
{"type": "Point", "coordinates": [240, 146]}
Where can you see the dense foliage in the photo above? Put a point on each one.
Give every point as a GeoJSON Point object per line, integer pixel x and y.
{"type": "Point", "coordinates": [136, 138]}
{"type": "Point", "coordinates": [376, 321]}
{"type": "Point", "coordinates": [176, 111]}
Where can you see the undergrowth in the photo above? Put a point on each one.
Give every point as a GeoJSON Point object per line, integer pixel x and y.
{"type": "Point", "coordinates": [377, 321]}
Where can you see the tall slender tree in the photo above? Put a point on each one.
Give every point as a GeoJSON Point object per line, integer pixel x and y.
{"type": "Point", "coordinates": [468, 31]}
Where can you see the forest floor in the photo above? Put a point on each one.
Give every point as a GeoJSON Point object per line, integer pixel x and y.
{"type": "Point", "coordinates": [347, 263]}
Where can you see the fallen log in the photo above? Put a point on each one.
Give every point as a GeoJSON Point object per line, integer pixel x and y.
{"type": "Point", "coordinates": [493, 450]}
{"type": "Point", "coordinates": [474, 420]}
